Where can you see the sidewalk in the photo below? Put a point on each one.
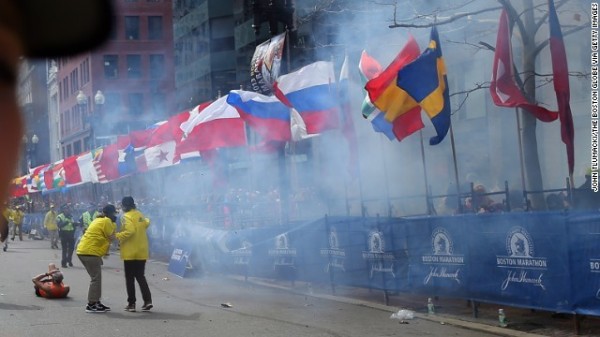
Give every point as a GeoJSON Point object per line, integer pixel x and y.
{"type": "Point", "coordinates": [521, 322]}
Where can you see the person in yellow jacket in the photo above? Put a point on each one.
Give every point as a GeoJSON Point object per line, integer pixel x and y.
{"type": "Point", "coordinates": [133, 241]}
{"type": "Point", "coordinates": [4, 225]}
{"type": "Point", "coordinates": [17, 216]}
{"type": "Point", "coordinates": [51, 226]}
{"type": "Point", "coordinates": [92, 247]}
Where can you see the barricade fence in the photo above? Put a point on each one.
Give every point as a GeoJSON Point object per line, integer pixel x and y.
{"type": "Point", "coordinates": [543, 260]}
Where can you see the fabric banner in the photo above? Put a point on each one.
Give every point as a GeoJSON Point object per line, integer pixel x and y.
{"type": "Point", "coordinates": [539, 260]}
{"type": "Point", "coordinates": [266, 64]}
{"type": "Point", "coordinates": [180, 258]}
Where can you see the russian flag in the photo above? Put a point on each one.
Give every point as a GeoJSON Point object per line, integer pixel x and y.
{"type": "Point", "coordinates": [311, 91]}
{"type": "Point", "coordinates": [265, 114]}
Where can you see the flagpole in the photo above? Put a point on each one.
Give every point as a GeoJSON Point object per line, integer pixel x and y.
{"type": "Point", "coordinates": [521, 159]}
{"type": "Point", "coordinates": [429, 206]}
{"type": "Point", "coordinates": [460, 205]}
{"type": "Point", "coordinates": [385, 176]}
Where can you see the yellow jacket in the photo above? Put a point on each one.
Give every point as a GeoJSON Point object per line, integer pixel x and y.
{"type": "Point", "coordinates": [133, 237]}
{"type": "Point", "coordinates": [95, 241]}
{"type": "Point", "coordinates": [6, 213]}
{"type": "Point", "coordinates": [17, 217]}
{"type": "Point", "coordinates": [50, 221]}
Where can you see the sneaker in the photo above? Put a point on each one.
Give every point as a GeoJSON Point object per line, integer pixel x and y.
{"type": "Point", "coordinates": [147, 306]}
{"type": "Point", "coordinates": [70, 264]}
{"type": "Point", "coordinates": [94, 308]}
{"type": "Point", "coordinates": [100, 305]}
{"type": "Point", "coordinates": [130, 308]}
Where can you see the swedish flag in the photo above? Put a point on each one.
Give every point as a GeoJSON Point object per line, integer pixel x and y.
{"type": "Point", "coordinates": [425, 81]}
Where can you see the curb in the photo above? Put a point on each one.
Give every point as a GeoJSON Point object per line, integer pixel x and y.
{"type": "Point", "coordinates": [442, 319]}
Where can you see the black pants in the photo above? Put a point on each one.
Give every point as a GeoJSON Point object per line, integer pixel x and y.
{"type": "Point", "coordinates": [67, 243]}
{"type": "Point", "coordinates": [134, 271]}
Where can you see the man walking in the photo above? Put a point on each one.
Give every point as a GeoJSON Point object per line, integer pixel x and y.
{"type": "Point", "coordinates": [134, 253]}
{"type": "Point", "coordinates": [52, 227]}
{"type": "Point", "coordinates": [93, 246]}
{"type": "Point", "coordinates": [67, 235]}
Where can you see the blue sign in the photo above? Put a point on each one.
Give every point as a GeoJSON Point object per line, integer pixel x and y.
{"type": "Point", "coordinates": [180, 258]}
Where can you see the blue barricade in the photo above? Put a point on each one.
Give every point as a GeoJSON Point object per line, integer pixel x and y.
{"type": "Point", "coordinates": [542, 260]}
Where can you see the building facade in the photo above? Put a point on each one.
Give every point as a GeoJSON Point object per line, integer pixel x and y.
{"type": "Point", "coordinates": [33, 100]}
{"type": "Point", "coordinates": [127, 84]}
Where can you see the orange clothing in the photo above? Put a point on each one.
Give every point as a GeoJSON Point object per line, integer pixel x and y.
{"type": "Point", "coordinates": [56, 290]}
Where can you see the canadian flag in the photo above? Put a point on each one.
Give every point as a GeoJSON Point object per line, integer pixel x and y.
{"type": "Point", "coordinates": [158, 156]}
{"type": "Point", "coordinates": [503, 89]}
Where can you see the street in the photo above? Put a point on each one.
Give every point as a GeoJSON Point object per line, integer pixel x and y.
{"type": "Point", "coordinates": [182, 307]}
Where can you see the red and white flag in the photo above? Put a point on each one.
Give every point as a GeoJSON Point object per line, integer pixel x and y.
{"type": "Point", "coordinates": [80, 169]}
{"type": "Point", "coordinates": [504, 89]}
{"type": "Point", "coordinates": [211, 126]}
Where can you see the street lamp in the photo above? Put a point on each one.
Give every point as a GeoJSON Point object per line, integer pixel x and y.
{"type": "Point", "coordinates": [30, 150]}
{"type": "Point", "coordinates": [99, 101]}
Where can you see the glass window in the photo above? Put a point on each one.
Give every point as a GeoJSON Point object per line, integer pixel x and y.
{"type": "Point", "coordinates": [155, 27]}
{"type": "Point", "coordinates": [136, 104]}
{"type": "Point", "coordinates": [157, 66]}
{"type": "Point", "coordinates": [159, 106]}
{"type": "Point", "coordinates": [134, 66]}
{"type": "Point", "coordinates": [111, 66]}
{"type": "Point", "coordinates": [132, 27]}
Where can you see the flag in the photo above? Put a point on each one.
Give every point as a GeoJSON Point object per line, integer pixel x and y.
{"type": "Point", "coordinates": [19, 187]}
{"type": "Point", "coordinates": [560, 77]}
{"type": "Point", "coordinates": [426, 82]}
{"type": "Point", "coordinates": [158, 156]}
{"type": "Point", "coordinates": [126, 151]}
{"type": "Point", "coordinates": [36, 178]}
{"type": "Point", "coordinates": [212, 126]}
{"type": "Point", "coordinates": [266, 115]}
{"type": "Point", "coordinates": [266, 63]}
{"type": "Point", "coordinates": [369, 68]}
{"type": "Point", "coordinates": [80, 169]}
{"type": "Point", "coordinates": [389, 96]}
{"type": "Point", "coordinates": [54, 176]}
{"type": "Point", "coordinates": [503, 88]}
{"type": "Point", "coordinates": [106, 162]}
{"type": "Point", "coordinates": [347, 126]}
{"type": "Point", "coordinates": [311, 91]}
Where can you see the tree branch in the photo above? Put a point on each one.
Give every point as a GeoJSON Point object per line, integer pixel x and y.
{"type": "Point", "coordinates": [478, 86]}
{"type": "Point", "coordinates": [441, 22]}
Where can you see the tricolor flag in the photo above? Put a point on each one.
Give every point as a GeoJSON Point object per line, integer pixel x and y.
{"type": "Point", "coordinates": [266, 115]}
{"type": "Point", "coordinates": [311, 91]}
{"type": "Point", "coordinates": [80, 169]}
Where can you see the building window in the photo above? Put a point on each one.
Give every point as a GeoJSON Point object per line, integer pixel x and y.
{"type": "Point", "coordinates": [159, 106]}
{"type": "Point", "coordinates": [85, 71]}
{"type": "Point", "coordinates": [65, 88]}
{"type": "Point", "coordinates": [132, 27]}
{"type": "Point", "coordinates": [157, 66]}
{"type": "Point", "coordinates": [77, 147]}
{"type": "Point", "coordinates": [136, 104]}
{"type": "Point", "coordinates": [134, 66]}
{"type": "Point", "coordinates": [60, 91]}
{"type": "Point", "coordinates": [111, 66]}
{"type": "Point", "coordinates": [74, 80]}
{"type": "Point", "coordinates": [155, 27]}
{"type": "Point", "coordinates": [69, 150]}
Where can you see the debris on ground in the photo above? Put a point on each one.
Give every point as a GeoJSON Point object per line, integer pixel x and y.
{"type": "Point", "coordinates": [403, 315]}
{"type": "Point", "coordinates": [226, 305]}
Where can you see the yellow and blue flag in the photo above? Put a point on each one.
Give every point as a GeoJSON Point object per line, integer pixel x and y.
{"type": "Point", "coordinates": [425, 81]}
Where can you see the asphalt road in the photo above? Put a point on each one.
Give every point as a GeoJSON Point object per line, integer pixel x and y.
{"type": "Point", "coordinates": [183, 307]}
